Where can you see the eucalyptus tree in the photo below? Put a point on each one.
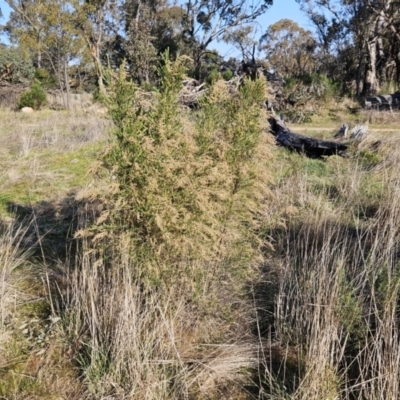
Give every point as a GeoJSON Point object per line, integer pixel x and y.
{"type": "Point", "coordinates": [207, 21]}
{"type": "Point", "coordinates": [370, 27]}
{"type": "Point", "coordinates": [15, 65]}
{"type": "Point", "coordinates": [147, 28]}
{"type": "Point", "coordinates": [289, 48]}
{"type": "Point", "coordinates": [243, 39]}
{"type": "Point", "coordinates": [96, 20]}
{"type": "Point", "coordinates": [46, 29]}
{"type": "Point", "coordinates": [387, 13]}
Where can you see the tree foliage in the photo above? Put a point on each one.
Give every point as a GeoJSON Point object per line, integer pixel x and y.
{"type": "Point", "coordinates": [46, 29]}
{"type": "Point", "coordinates": [289, 48]}
{"type": "Point", "coordinates": [354, 43]}
{"type": "Point", "coordinates": [15, 65]}
{"type": "Point", "coordinates": [208, 21]}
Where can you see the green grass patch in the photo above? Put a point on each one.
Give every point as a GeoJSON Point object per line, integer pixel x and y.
{"type": "Point", "coordinates": [45, 175]}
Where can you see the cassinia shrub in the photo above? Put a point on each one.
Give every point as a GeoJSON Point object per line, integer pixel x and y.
{"type": "Point", "coordinates": [188, 186]}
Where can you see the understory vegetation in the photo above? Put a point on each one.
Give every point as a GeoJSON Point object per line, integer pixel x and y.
{"type": "Point", "coordinates": [185, 256]}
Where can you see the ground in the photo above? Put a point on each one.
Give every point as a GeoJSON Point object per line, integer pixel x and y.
{"type": "Point", "coordinates": [322, 304]}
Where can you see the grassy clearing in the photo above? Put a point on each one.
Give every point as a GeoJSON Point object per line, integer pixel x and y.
{"type": "Point", "coordinates": [46, 153]}
{"type": "Point", "coordinates": [314, 316]}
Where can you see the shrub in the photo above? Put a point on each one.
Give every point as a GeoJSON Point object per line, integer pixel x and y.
{"type": "Point", "coordinates": [34, 98]}
{"type": "Point", "coordinates": [179, 222]}
{"type": "Point", "coordinates": [187, 187]}
{"type": "Point", "coordinates": [213, 76]}
{"type": "Point", "coordinates": [228, 74]}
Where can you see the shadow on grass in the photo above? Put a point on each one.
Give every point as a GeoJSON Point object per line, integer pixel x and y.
{"type": "Point", "coordinates": [49, 226]}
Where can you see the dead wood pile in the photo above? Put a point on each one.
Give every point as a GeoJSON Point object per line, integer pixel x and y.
{"type": "Point", "coordinates": [193, 90]}
{"type": "Point", "coordinates": [10, 93]}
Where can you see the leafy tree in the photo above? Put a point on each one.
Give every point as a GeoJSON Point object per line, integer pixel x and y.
{"type": "Point", "coordinates": [208, 21]}
{"type": "Point", "coordinates": [169, 29]}
{"type": "Point", "coordinates": [140, 19]}
{"type": "Point", "coordinates": [289, 48]}
{"type": "Point", "coordinates": [388, 13]}
{"type": "Point", "coordinates": [241, 39]}
{"type": "Point", "coordinates": [96, 21]}
{"type": "Point", "coordinates": [46, 28]}
{"type": "Point", "coordinates": [151, 27]}
{"type": "Point", "coordinates": [365, 30]}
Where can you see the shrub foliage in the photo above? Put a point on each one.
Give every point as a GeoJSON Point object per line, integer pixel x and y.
{"type": "Point", "coordinates": [187, 186]}
{"type": "Point", "coordinates": [34, 98]}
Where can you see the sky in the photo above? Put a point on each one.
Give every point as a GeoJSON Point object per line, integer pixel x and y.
{"type": "Point", "coordinates": [280, 9]}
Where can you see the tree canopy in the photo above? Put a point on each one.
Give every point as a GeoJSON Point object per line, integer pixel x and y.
{"type": "Point", "coordinates": [355, 43]}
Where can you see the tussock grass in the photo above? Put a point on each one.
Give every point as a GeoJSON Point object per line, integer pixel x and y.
{"type": "Point", "coordinates": [334, 309]}
{"type": "Point", "coordinates": [33, 362]}
{"type": "Point", "coordinates": [152, 344]}
{"type": "Point", "coordinates": [12, 256]}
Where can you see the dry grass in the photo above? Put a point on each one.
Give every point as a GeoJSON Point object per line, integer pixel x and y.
{"type": "Point", "coordinates": [12, 257]}
{"type": "Point", "coordinates": [46, 154]}
{"type": "Point", "coordinates": [154, 344]}
{"type": "Point", "coordinates": [320, 320]}
{"type": "Point", "coordinates": [27, 340]}
{"type": "Point", "coordinates": [58, 131]}
{"type": "Point", "coordinates": [41, 159]}
{"type": "Point", "coordinates": [335, 277]}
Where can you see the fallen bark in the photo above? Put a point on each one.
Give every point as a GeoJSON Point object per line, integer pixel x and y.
{"type": "Point", "coordinates": [304, 144]}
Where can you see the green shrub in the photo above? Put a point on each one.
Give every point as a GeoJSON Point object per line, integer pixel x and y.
{"type": "Point", "coordinates": [187, 187]}
{"type": "Point", "coordinates": [323, 86]}
{"type": "Point", "coordinates": [228, 74]}
{"type": "Point", "coordinates": [34, 98]}
{"type": "Point", "coordinates": [213, 76]}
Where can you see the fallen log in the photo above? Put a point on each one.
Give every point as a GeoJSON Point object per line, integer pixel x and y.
{"type": "Point", "coordinates": [311, 147]}
{"type": "Point", "coordinates": [383, 102]}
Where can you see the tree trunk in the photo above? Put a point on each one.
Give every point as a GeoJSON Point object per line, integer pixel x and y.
{"type": "Point", "coordinates": [397, 62]}
{"type": "Point", "coordinates": [371, 82]}
{"type": "Point", "coordinates": [381, 57]}
{"type": "Point", "coordinates": [39, 58]}
{"type": "Point", "coordinates": [95, 52]}
{"type": "Point", "coordinates": [66, 82]}
{"type": "Point", "coordinates": [358, 77]}
{"type": "Point", "coordinates": [60, 82]}
{"type": "Point", "coordinates": [198, 55]}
